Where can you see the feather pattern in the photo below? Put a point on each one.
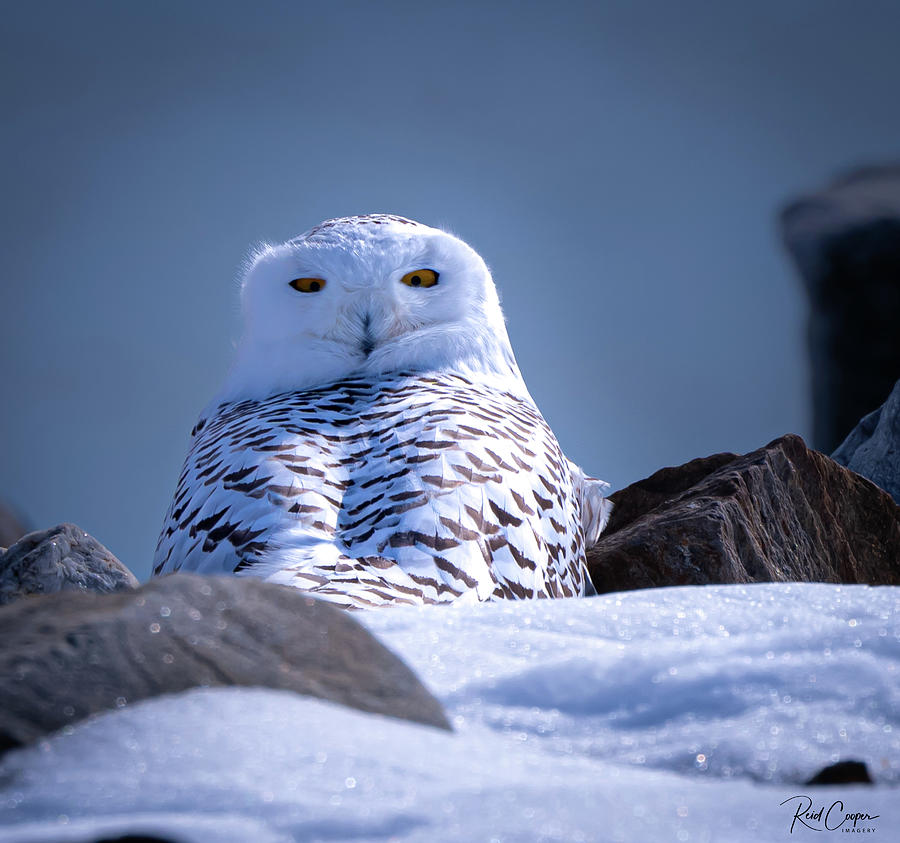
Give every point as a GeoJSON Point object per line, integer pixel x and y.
{"type": "Point", "coordinates": [418, 488]}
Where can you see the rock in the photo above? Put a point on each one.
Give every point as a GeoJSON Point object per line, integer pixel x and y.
{"type": "Point", "coordinates": [134, 838]}
{"type": "Point", "coordinates": [845, 241]}
{"type": "Point", "coordinates": [844, 772]}
{"type": "Point", "coordinates": [782, 513]}
{"type": "Point", "coordinates": [11, 527]}
{"type": "Point", "coordinates": [66, 656]}
{"type": "Point", "coordinates": [873, 447]}
{"type": "Point", "coordinates": [63, 558]}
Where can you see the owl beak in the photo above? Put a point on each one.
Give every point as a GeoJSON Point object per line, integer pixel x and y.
{"type": "Point", "coordinates": [368, 341]}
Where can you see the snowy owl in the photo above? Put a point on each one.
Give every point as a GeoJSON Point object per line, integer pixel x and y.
{"type": "Point", "coordinates": [374, 441]}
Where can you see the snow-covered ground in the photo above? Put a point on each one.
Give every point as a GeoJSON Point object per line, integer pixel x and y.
{"type": "Point", "coordinates": [683, 714]}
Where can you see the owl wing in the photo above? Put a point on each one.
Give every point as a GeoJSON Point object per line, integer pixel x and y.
{"type": "Point", "coordinates": [459, 490]}
{"type": "Point", "coordinates": [596, 508]}
{"type": "Point", "coordinates": [249, 471]}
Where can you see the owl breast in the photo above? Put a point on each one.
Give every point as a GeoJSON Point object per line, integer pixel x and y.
{"type": "Point", "coordinates": [417, 488]}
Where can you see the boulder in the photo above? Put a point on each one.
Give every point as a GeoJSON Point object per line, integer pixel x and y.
{"type": "Point", "coordinates": [782, 513]}
{"type": "Point", "coordinates": [63, 558]}
{"type": "Point", "coordinates": [845, 241]}
{"type": "Point", "coordinates": [66, 656]}
{"type": "Point", "coordinates": [873, 447]}
{"type": "Point", "coordinates": [843, 772]}
{"type": "Point", "coordinates": [132, 838]}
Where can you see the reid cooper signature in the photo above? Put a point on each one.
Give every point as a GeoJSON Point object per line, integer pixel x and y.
{"type": "Point", "coordinates": [831, 820]}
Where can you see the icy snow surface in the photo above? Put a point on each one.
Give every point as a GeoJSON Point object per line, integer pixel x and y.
{"type": "Point", "coordinates": [683, 714]}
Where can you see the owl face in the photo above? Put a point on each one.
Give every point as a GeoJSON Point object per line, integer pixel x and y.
{"type": "Point", "coordinates": [367, 295]}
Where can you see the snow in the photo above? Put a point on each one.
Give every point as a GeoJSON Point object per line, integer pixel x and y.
{"type": "Point", "coordinates": [683, 714]}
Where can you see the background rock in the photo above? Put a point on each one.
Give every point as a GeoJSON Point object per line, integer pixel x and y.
{"type": "Point", "coordinates": [63, 558]}
{"type": "Point", "coordinates": [782, 513]}
{"type": "Point", "coordinates": [134, 838]}
{"type": "Point", "coordinates": [873, 447]}
{"type": "Point", "coordinates": [844, 772]}
{"type": "Point", "coordinates": [66, 656]}
{"type": "Point", "coordinates": [845, 241]}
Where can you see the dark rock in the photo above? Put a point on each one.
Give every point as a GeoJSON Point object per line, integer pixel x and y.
{"type": "Point", "coordinates": [12, 528]}
{"type": "Point", "coordinates": [63, 558]}
{"type": "Point", "coordinates": [873, 447]}
{"type": "Point", "coordinates": [135, 838]}
{"type": "Point", "coordinates": [782, 513]}
{"type": "Point", "coordinates": [844, 772]}
{"type": "Point", "coordinates": [845, 241]}
{"type": "Point", "coordinates": [66, 656]}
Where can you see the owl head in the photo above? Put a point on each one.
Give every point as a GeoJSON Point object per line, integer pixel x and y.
{"type": "Point", "coordinates": [367, 295]}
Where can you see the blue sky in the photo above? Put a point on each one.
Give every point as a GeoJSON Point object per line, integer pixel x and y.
{"type": "Point", "coordinates": [619, 166]}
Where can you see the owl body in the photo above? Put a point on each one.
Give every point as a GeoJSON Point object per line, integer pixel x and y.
{"type": "Point", "coordinates": [403, 460]}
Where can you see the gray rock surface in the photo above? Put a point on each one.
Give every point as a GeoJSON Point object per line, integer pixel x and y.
{"type": "Point", "coordinates": [66, 656]}
{"type": "Point", "coordinates": [781, 513]}
{"type": "Point", "coordinates": [845, 241]}
{"type": "Point", "coordinates": [63, 558]}
{"type": "Point", "coordinates": [873, 447]}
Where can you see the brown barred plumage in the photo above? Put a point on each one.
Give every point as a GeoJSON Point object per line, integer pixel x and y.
{"type": "Point", "coordinates": [414, 489]}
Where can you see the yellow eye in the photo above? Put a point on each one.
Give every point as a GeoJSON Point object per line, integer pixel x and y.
{"type": "Point", "coordinates": [421, 278]}
{"type": "Point", "coordinates": [308, 285]}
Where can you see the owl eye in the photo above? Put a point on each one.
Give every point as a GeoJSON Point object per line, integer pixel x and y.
{"type": "Point", "coordinates": [421, 278]}
{"type": "Point", "coordinates": [308, 285]}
